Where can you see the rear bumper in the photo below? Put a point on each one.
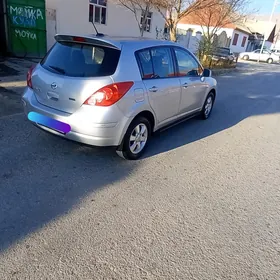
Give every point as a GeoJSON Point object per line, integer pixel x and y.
{"type": "Point", "coordinates": [108, 131]}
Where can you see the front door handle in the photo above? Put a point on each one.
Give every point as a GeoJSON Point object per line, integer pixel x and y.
{"type": "Point", "coordinates": [185, 85]}
{"type": "Point", "coordinates": [153, 89]}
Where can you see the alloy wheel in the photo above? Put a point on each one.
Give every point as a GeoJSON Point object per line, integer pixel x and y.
{"type": "Point", "coordinates": [138, 138]}
{"type": "Point", "coordinates": [208, 106]}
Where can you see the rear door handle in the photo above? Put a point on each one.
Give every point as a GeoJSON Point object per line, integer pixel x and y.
{"type": "Point", "coordinates": [185, 85]}
{"type": "Point", "coordinates": [153, 89]}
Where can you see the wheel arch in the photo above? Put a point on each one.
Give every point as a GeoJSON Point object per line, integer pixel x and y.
{"type": "Point", "coordinates": [214, 91]}
{"type": "Point", "coordinates": [149, 116]}
{"type": "Point", "coordinates": [146, 114]}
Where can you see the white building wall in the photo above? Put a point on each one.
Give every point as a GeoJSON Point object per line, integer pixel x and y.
{"type": "Point", "coordinates": [51, 27]}
{"type": "Point", "coordinates": [268, 45]}
{"type": "Point", "coordinates": [72, 17]}
{"type": "Point", "coordinates": [52, 4]}
{"type": "Point", "coordinates": [238, 47]}
{"type": "Point", "coordinates": [198, 28]}
{"type": "Point", "coordinates": [230, 33]}
{"type": "Point", "coordinates": [276, 45]}
{"type": "Point", "coordinates": [190, 41]}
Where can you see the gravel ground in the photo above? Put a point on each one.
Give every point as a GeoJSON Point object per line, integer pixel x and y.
{"type": "Point", "coordinates": [203, 204]}
{"type": "Point", "coordinates": [12, 82]}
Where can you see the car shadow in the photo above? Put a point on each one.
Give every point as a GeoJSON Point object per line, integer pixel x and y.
{"type": "Point", "coordinates": [43, 177]}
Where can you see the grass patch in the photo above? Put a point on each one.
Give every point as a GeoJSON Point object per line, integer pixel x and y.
{"type": "Point", "coordinates": [211, 63]}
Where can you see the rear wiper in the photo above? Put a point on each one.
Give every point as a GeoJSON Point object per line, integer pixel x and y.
{"type": "Point", "coordinates": [57, 69]}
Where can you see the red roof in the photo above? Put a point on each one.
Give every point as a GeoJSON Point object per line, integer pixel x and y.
{"type": "Point", "coordinates": [209, 16]}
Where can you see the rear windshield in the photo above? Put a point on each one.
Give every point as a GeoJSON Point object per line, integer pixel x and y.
{"type": "Point", "coordinates": [80, 60]}
{"type": "Point", "coordinates": [223, 51]}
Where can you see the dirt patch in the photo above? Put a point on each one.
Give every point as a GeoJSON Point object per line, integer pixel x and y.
{"type": "Point", "coordinates": [7, 71]}
{"type": "Point", "coordinates": [10, 102]}
{"type": "Point", "coordinates": [12, 83]}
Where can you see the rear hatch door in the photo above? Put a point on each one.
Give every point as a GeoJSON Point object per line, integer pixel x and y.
{"type": "Point", "coordinates": [72, 71]}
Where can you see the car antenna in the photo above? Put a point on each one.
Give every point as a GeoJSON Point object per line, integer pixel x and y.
{"type": "Point", "coordinates": [97, 33]}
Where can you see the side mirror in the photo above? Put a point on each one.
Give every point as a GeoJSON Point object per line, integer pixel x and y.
{"type": "Point", "coordinates": [207, 73]}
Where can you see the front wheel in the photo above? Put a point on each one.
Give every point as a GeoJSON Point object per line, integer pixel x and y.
{"type": "Point", "coordinates": [136, 139]}
{"type": "Point", "coordinates": [208, 106]}
{"type": "Point", "coordinates": [270, 60]}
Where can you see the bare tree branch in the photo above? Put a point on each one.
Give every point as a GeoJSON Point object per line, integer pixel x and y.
{"type": "Point", "coordinates": [140, 9]}
{"type": "Point", "coordinates": [225, 13]}
{"type": "Point", "coordinates": [178, 9]}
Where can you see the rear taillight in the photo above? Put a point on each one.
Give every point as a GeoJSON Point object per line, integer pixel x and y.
{"type": "Point", "coordinates": [29, 75]}
{"type": "Point", "coordinates": [79, 39]}
{"type": "Point", "coordinates": [109, 95]}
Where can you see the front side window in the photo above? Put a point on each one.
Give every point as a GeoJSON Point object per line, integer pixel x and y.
{"type": "Point", "coordinates": [98, 11]}
{"type": "Point", "coordinates": [147, 28]}
{"type": "Point", "coordinates": [187, 65]}
{"type": "Point", "coordinates": [156, 63]}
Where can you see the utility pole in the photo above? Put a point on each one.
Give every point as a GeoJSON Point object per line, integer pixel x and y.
{"type": "Point", "coordinates": [276, 3]}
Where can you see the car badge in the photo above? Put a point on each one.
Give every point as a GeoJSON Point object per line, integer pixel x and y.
{"type": "Point", "coordinates": [54, 86]}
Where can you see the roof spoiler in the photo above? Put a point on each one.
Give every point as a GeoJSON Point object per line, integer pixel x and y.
{"type": "Point", "coordinates": [97, 40]}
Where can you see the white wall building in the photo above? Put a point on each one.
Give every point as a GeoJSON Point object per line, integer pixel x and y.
{"type": "Point", "coordinates": [110, 18]}
{"type": "Point", "coordinates": [238, 38]}
{"type": "Point", "coordinates": [266, 29]}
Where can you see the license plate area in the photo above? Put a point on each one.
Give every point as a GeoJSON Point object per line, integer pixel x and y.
{"type": "Point", "coordinates": [49, 123]}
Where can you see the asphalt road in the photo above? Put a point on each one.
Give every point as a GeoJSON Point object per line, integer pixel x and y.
{"type": "Point", "coordinates": [203, 204]}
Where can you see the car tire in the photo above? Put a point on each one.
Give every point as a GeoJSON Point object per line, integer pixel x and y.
{"type": "Point", "coordinates": [208, 106]}
{"type": "Point", "coordinates": [269, 61]}
{"type": "Point", "coordinates": [245, 57]}
{"type": "Point", "coordinates": [135, 139]}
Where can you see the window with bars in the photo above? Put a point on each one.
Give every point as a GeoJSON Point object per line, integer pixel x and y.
{"type": "Point", "coordinates": [98, 11]}
{"type": "Point", "coordinates": [148, 22]}
{"type": "Point", "coordinates": [235, 39]}
{"type": "Point", "coordinates": [244, 41]}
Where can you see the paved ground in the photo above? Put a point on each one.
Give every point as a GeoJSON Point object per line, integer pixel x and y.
{"type": "Point", "coordinates": [12, 82]}
{"type": "Point", "coordinates": [203, 204]}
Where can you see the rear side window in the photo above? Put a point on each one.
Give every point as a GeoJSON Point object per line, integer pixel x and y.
{"type": "Point", "coordinates": [146, 64]}
{"type": "Point", "coordinates": [156, 63]}
{"type": "Point", "coordinates": [81, 60]}
{"type": "Point", "coordinates": [162, 62]}
{"type": "Point", "coordinates": [223, 51]}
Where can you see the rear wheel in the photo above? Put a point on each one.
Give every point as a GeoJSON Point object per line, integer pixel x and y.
{"type": "Point", "coordinates": [136, 139]}
{"type": "Point", "coordinates": [270, 60]}
{"type": "Point", "coordinates": [246, 57]}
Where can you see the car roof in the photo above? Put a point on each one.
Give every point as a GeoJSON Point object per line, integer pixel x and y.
{"type": "Point", "coordinates": [119, 41]}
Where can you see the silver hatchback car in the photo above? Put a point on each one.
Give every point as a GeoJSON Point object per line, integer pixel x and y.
{"type": "Point", "coordinates": [107, 91]}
